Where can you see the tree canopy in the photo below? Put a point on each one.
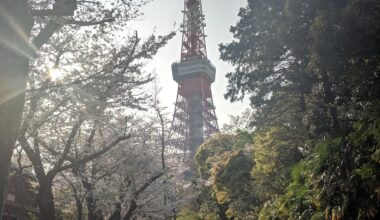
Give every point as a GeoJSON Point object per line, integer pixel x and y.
{"type": "Point", "coordinates": [311, 72]}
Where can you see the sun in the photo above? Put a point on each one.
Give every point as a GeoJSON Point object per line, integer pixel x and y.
{"type": "Point", "coordinates": [55, 74]}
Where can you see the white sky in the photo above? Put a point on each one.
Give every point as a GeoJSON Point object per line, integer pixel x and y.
{"type": "Point", "coordinates": [165, 16]}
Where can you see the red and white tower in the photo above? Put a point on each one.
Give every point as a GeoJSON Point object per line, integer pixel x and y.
{"type": "Point", "coordinates": [194, 116]}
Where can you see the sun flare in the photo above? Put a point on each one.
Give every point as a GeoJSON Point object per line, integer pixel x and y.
{"type": "Point", "coordinates": [55, 74]}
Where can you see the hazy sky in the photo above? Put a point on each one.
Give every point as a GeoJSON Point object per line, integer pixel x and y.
{"type": "Point", "coordinates": [165, 16]}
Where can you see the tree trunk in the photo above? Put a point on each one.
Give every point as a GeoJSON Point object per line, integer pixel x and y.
{"type": "Point", "coordinates": [222, 211]}
{"type": "Point", "coordinates": [15, 51]}
{"type": "Point", "coordinates": [131, 209]}
{"type": "Point", "coordinates": [91, 205]}
{"type": "Point", "coordinates": [329, 98]}
{"type": "Point", "coordinates": [79, 205]}
{"type": "Point", "coordinates": [116, 215]}
{"type": "Point", "coordinates": [46, 200]}
{"type": "Point", "coordinates": [93, 212]}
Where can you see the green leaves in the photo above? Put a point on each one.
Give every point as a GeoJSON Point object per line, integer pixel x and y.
{"type": "Point", "coordinates": [311, 72]}
{"type": "Point", "coordinates": [208, 153]}
{"type": "Point", "coordinates": [225, 163]}
{"type": "Point", "coordinates": [276, 150]}
{"type": "Point", "coordinates": [230, 175]}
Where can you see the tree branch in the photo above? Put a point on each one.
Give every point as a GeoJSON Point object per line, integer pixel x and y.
{"type": "Point", "coordinates": [133, 203]}
{"type": "Point", "coordinates": [68, 144]}
{"type": "Point", "coordinates": [147, 184]}
{"type": "Point", "coordinates": [45, 34]}
{"type": "Point", "coordinates": [33, 155]}
{"type": "Point", "coordinates": [89, 23]}
{"type": "Point", "coordinates": [94, 155]}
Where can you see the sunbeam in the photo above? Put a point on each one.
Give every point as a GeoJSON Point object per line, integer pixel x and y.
{"type": "Point", "coordinates": [25, 48]}
{"type": "Point", "coordinates": [11, 90]}
{"type": "Point", "coordinates": [16, 48]}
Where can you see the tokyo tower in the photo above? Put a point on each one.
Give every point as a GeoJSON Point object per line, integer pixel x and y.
{"type": "Point", "coordinates": [194, 116]}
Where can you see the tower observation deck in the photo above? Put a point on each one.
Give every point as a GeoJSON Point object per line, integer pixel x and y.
{"type": "Point", "coordinates": [194, 116]}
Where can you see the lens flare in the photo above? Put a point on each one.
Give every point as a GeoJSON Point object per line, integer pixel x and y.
{"type": "Point", "coordinates": [55, 74]}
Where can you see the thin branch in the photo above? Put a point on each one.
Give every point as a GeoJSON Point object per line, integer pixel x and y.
{"type": "Point", "coordinates": [68, 144]}
{"type": "Point", "coordinates": [94, 155]}
{"type": "Point", "coordinates": [89, 23]}
{"type": "Point", "coordinates": [147, 184]}
{"type": "Point", "coordinates": [133, 203]}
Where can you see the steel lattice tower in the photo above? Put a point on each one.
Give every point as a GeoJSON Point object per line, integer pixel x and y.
{"type": "Point", "coordinates": [194, 116]}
